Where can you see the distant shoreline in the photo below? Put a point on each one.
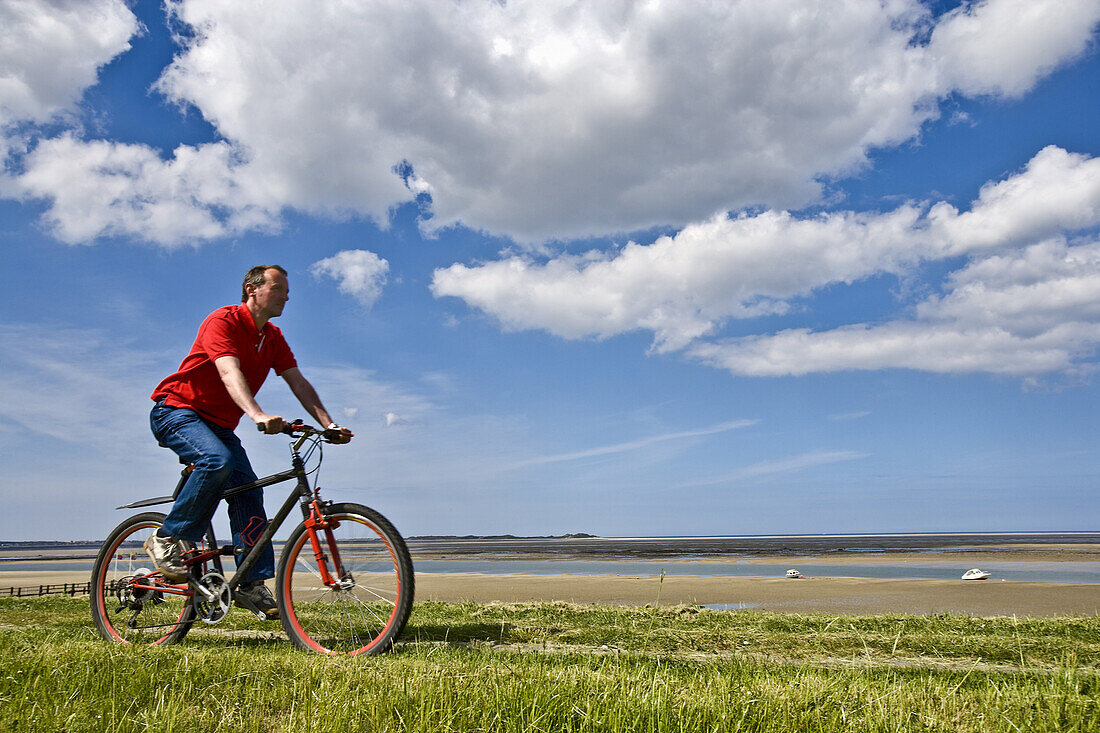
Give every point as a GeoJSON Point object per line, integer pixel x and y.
{"type": "Point", "coordinates": [893, 547]}
{"type": "Point", "coordinates": [967, 548]}
{"type": "Point", "coordinates": [58, 544]}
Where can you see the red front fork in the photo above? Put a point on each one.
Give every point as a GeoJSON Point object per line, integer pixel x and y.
{"type": "Point", "coordinates": [315, 521]}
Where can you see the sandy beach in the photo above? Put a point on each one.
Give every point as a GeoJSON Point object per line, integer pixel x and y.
{"type": "Point", "coordinates": [484, 570]}
{"type": "Point", "coordinates": [806, 595]}
{"type": "Point", "coordinates": [816, 595]}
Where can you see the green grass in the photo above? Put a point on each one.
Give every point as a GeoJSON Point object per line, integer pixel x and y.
{"type": "Point", "coordinates": [561, 667]}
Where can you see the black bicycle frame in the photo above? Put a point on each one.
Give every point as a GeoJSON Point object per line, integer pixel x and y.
{"type": "Point", "coordinates": [301, 496]}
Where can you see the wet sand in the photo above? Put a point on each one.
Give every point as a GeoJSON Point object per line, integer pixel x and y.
{"type": "Point", "coordinates": [807, 595]}
{"type": "Point", "coordinates": [968, 557]}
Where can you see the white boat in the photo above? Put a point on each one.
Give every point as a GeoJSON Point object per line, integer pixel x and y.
{"type": "Point", "coordinates": [975, 574]}
{"type": "Point", "coordinates": [792, 573]}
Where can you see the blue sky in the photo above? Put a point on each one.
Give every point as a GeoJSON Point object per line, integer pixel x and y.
{"type": "Point", "coordinates": [620, 268]}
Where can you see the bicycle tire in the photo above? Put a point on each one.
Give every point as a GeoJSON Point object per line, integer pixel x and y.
{"type": "Point", "coordinates": [368, 613]}
{"type": "Point", "coordinates": [149, 617]}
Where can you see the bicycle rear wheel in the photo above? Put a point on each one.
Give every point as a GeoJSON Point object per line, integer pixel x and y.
{"type": "Point", "coordinates": [127, 608]}
{"type": "Point", "coordinates": [364, 610]}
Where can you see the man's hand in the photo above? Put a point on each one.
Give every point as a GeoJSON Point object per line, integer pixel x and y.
{"type": "Point", "coordinates": [270, 424]}
{"type": "Point", "coordinates": [307, 395]}
{"type": "Point", "coordinates": [337, 434]}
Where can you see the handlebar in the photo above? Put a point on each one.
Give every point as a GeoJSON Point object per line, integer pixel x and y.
{"type": "Point", "coordinates": [300, 428]}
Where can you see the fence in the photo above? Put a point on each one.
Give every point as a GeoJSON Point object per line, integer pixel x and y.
{"type": "Point", "coordinates": [29, 591]}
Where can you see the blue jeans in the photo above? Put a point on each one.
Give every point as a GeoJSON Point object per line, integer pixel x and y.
{"type": "Point", "coordinates": [220, 464]}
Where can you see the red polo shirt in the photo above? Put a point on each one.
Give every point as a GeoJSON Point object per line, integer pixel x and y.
{"type": "Point", "coordinates": [228, 331]}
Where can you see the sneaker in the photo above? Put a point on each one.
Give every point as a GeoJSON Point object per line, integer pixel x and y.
{"type": "Point", "coordinates": [256, 597]}
{"type": "Point", "coordinates": [167, 555]}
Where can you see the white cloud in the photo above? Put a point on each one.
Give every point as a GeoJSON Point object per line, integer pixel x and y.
{"type": "Point", "coordinates": [100, 189]}
{"type": "Point", "coordinates": [360, 274]}
{"type": "Point", "coordinates": [683, 287]}
{"type": "Point", "coordinates": [1057, 191]}
{"type": "Point", "coordinates": [781, 466]}
{"type": "Point", "coordinates": [557, 119]}
{"type": "Point", "coordinates": [845, 416]}
{"type": "Point", "coordinates": [1026, 292]}
{"type": "Point", "coordinates": [1023, 314]}
{"type": "Point", "coordinates": [1005, 46]}
{"type": "Point", "coordinates": [52, 51]}
{"type": "Point", "coordinates": [634, 445]}
{"type": "Point", "coordinates": [897, 345]}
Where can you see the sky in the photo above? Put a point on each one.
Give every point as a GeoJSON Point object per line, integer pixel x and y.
{"type": "Point", "coordinates": [625, 268]}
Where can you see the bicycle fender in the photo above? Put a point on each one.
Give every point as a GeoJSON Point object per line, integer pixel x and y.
{"type": "Point", "coordinates": [148, 502]}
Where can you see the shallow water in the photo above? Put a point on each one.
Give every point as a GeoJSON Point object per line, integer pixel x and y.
{"type": "Point", "coordinates": [703, 556]}
{"type": "Point", "coordinates": [1041, 572]}
{"type": "Point", "coordinates": [1049, 572]}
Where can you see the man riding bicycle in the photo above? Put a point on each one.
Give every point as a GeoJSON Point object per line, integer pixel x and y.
{"type": "Point", "coordinates": [196, 411]}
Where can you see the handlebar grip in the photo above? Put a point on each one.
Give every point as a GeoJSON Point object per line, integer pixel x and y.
{"type": "Point", "coordinates": [289, 428]}
{"type": "Point", "coordinates": [332, 434]}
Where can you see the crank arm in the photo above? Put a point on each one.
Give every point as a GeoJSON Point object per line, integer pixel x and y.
{"type": "Point", "coordinates": [197, 587]}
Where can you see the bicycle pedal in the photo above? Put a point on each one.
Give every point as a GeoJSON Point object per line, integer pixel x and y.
{"type": "Point", "coordinates": [257, 613]}
{"type": "Point", "coordinates": [243, 602]}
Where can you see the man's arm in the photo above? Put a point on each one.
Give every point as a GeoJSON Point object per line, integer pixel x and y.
{"type": "Point", "coordinates": [229, 369]}
{"type": "Point", "coordinates": [307, 395]}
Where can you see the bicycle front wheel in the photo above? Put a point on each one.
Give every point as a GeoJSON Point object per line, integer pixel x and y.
{"type": "Point", "coordinates": [361, 610]}
{"type": "Point", "coordinates": [130, 602]}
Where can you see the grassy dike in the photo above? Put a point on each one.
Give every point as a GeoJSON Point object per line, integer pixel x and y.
{"type": "Point", "coordinates": [561, 667]}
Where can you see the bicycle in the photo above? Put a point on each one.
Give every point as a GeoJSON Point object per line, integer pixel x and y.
{"type": "Point", "coordinates": [344, 583]}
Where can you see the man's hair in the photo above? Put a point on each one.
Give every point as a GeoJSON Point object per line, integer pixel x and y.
{"type": "Point", "coordinates": [255, 277]}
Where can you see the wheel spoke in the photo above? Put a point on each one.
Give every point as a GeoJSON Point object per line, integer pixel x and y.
{"type": "Point", "coordinates": [131, 612]}
{"type": "Point", "coordinates": [376, 594]}
{"type": "Point", "coordinates": [369, 611]}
